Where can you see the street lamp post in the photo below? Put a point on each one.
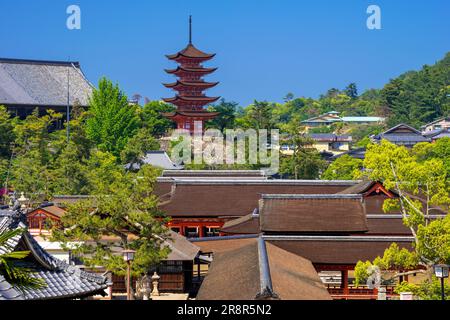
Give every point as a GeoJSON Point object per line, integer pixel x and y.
{"type": "Point", "coordinates": [441, 272]}
{"type": "Point", "coordinates": [128, 256]}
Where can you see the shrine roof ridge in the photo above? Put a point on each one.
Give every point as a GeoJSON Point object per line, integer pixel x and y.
{"type": "Point", "coordinates": [181, 181]}
{"type": "Point", "coordinates": [311, 196]}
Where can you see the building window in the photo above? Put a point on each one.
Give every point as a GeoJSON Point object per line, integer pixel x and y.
{"type": "Point", "coordinates": [211, 231]}
{"type": "Point", "coordinates": [191, 232]}
{"type": "Point", "coordinates": [176, 229]}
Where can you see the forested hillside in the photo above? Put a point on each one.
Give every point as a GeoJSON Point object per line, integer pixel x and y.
{"type": "Point", "coordinates": [415, 98]}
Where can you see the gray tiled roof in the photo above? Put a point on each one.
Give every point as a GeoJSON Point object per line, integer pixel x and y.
{"type": "Point", "coordinates": [42, 83]}
{"type": "Point", "coordinates": [158, 159]}
{"type": "Point", "coordinates": [62, 280]}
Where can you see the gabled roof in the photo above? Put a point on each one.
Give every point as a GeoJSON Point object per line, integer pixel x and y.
{"type": "Point", "coordinates": [365, 187]}
{"type": "Point", "coordinates": [52, 209]}
{"type": "Point", "coordinates": [402, 134]}
{"type": "Point", "coordinates": [42, 83]}
{"type": "Point", "coordinates": [313, 213]}
{"type": "Point", "coordinates": [435, 121]}
{"type": "Point", "coordinates": [261, 271]}
{"type": "Point", "coordinates": [236, 197]}
{"type": "Point", "coordinates": [62, 280]}
{"type": "Point", "coordinates": [402, 128]}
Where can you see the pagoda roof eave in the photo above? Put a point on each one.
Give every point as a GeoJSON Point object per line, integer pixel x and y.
{"type": "Point", "coordinates": [191, 84]}
{"type": "Point", "coordinates": [191, 99]}
{"type": "Point", "coordinates": [198, 114]}
{"type": "Point", "coordinates": [194, 70]}
{"type": "Point", "coordinates": [191, 52]}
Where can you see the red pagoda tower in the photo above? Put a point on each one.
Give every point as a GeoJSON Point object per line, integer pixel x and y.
{"type": "Point", "coordinates": [190, 99]}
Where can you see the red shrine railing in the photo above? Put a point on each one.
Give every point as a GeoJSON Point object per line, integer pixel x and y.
{"type": "Point", "coordinates": [356, 293]}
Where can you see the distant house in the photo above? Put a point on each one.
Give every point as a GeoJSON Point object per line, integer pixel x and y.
{"type": "Point", "coordinates": [29, 84]}
{"type": "Point", "coordinates": [437, 134]}
{"type": "Point", "coordinates": [328, 144]}
{"type": "Point", "coordinates": [439, 124]}
{"type": "Point", "coordinates": [41, 219]}
{"type": "Point", "coordinates": [332, 117]}
{"type": "Point", "coordinates": [402, 135]}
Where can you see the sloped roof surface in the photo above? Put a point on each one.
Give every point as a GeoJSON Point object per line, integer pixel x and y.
{"type": "Point", "coordinates": [320, 213]}
{"type": "Point", "coordinates": [42, 83]}
{"type": "Point", "coordinates": [237, 275]}
{"type": "Point", "coordinates": [61, 279]}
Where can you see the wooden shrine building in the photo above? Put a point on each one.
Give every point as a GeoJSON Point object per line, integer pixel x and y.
{"type": "Point", "coordinates": [29, 84]}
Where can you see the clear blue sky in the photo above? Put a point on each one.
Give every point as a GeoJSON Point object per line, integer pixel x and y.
{"type": "Point", "coordinates": [265, 48]}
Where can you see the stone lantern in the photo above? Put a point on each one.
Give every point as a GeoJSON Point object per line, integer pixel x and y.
{"type": "Point", "coordinates": [155, 281]}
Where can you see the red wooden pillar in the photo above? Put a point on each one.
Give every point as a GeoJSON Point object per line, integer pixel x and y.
{"type": "Point", "coordinates": [344, 281]}
{"type": "Point", "coordinates": [200, 231]}
{"type": "Point", "coordinates": [182, 230]}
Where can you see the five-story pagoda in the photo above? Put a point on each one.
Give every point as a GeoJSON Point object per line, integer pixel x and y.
{"type": "Point", "coordinates": [190, 99]}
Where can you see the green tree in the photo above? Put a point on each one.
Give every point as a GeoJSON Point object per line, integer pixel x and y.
{"type": "Point", "coordinates": [257, 116]}
{"type": "Point", "coordinates": [226, 117]}
{"type": "Point", "coordinates": [112, 119]}
{"type": "Point", "coordinates": [305, 163]}
{"type": "Point", "coordinates": [6, 133]}
{"type": "Point", "coordinates": [122, 213]}
{"type": "Point", "coordinates": [152, 119]}
{"type": "Point", "coordinates": [137, 147]}
{"type": "Point", "coordinates": [351, 90]}
{"type": "Point", "coordinates": [418, 97]}
{"type": "Point", "coordinates": [70, 165]}
{"type": "Point", "coordinates": [31, 170]}
{"type": "Point", "coordinates": [422, 185]}
{"type": "Point", "coordinates": [343, 168]}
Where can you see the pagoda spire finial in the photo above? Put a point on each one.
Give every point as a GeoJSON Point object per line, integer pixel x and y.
{"type": "Point", "coordinates": [190, 29]}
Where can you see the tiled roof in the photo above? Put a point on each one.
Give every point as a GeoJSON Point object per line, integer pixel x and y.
{"type": "Point", "coordinates": [180, 248]}
{"type": "Point", "coordinates": [62, 280]}
{"type": "Point", "coordinates": [313, 213]}
{"type": "Point", "coordinates": [42, 83]}
{"type": "Point", "coordinates": [248, 224]}
{"type": "Point", "coordinates": [338, 249]}
{"type": "Point", "coordinates": [191, 52]}
{"type": "Point", "coordinates": [238, 197]}
{"type": "Point", "coordinates": [260, 270]}
{"type": "Point", "coordinates": [158, 159]}
{"type": "Point", "coordinates": [402, 134]}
